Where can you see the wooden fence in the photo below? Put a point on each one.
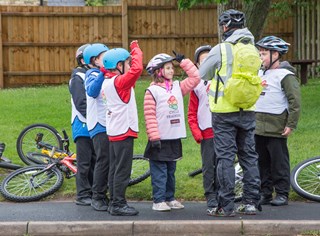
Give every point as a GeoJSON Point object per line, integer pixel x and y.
{"type": "Point", "coordinates": [38, 43]}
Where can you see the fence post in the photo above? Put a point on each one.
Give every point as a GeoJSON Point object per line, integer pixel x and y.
{"type": "Point", "coordinates": [1, 57]}
{"type": "Point", "coordinates": [125, 24]}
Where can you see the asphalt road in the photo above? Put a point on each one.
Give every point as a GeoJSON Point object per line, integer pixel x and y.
{"type": "Point", "coordinates": [195, 211]}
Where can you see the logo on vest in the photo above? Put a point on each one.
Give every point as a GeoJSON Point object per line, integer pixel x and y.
{"type": "Point", "coordinates": [173, 103]}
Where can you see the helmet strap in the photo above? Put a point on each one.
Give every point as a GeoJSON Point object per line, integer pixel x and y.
{"type": "Point", "coordinates": [271, 62]}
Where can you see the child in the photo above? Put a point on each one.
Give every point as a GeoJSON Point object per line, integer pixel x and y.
{"type": "Point", "coordinates": [122, 121]}
{"type": "Point", "coordinates": [199, 119]}
{"type": "Point", "coordinates": [277, 115]}
{"type": "Point", "coordinates": [165, 125]}
{"type": "Point", "coordinates": [96, 109]}
{"type": "Point", "coordinates": [84, 146]}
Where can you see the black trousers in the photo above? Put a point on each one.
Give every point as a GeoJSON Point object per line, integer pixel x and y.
{"type": "Point", "coordinates": [86, 159]}
{"type": "Point", "coordinates": [274, 165]}
{"type": "Point", "coordinates": [121, 153]}
{"type": "Point", "coordinates": [101, 168]}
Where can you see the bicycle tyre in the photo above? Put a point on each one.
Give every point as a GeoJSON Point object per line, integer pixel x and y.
{"type": "Point", "coordinates": [19, 186]}
{"type": "Point", "coordinates": [10, 166]}
{"type": "Point", "coordinates": [26, 140]}
{"type": "Point", "coordinates": [305, 180]}
{"type": "Point", "coordinates": [195, 172]}
{"type": "Point", "coordinates": [140, 169]}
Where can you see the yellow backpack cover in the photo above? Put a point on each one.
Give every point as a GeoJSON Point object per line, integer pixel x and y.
{"type": "Point", "coordinates": [244, 87]}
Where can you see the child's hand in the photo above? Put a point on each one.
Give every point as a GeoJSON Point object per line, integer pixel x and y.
{"type": "Point", "coordinates": [134, 44]}
{"type": "Point", "coordinates": [156, 144]}
{"type": "Point", "coordinates": [178, 57]}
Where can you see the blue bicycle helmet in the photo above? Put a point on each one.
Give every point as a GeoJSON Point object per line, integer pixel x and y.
{"type": "Point", "coordinates": [273, 43]}
{"type": "Point", "coordinates": [157, 62]}
{"type": "Point", "coordinates": [112, 57]}
{"type": "Point", "coordinates": [93, 50]}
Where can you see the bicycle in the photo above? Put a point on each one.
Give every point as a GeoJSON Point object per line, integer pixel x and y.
{"type": "Point", "coordinates": [305, 179]}
{"type": "Point", "coordinates": [48, 158]}
{"type": "Point", "coordinates": [5, 162]}
{"type": "Point", "coordinates": [35, 182]}
{"type": "Point", "coordinates": [238, 180]}
{"type": "Point", "coordinates": [31, 139]}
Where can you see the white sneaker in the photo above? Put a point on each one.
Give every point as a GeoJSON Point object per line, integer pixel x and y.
{"type": "Point", "coordinates": [161, 206]}
{"type": "Point", "coordinates": [175, 205]}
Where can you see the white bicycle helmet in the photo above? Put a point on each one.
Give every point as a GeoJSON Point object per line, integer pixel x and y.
{"type": "Point", "coordinates": [274, 43]}
{"type": "Point", "coordinates": [157, 62]}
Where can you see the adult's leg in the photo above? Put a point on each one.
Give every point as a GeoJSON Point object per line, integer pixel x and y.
{"type": "Point", "coordinates": [225, 150]}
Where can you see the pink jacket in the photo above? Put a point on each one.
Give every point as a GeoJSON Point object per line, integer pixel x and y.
{"type": "Point", "coordinates": [187, 85]}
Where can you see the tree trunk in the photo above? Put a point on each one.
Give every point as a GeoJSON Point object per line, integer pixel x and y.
{"type": "Point", "coordinates": [256, 16]}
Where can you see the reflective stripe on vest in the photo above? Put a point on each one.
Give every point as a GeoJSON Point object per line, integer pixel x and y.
{"type": "Point", "coordinates": [225, 72]}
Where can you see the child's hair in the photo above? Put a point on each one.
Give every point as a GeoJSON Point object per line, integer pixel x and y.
{"type": "Point", "coordinates": [157, 75]}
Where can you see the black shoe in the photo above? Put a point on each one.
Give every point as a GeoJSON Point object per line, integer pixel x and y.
{"type": "Point", "coordinates": [100, 205]}
{"type": "Point", "coordinates": [279, 200]}
{"type": "Point", "coordinates": [83, 201]}
{"type": "Point", "coordinates": [123, 211]}
{"type": "Point", "coordinates": [265, 199]}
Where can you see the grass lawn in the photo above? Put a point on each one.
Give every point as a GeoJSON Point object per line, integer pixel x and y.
{"type": "Point", "coordinates": [24, 106]}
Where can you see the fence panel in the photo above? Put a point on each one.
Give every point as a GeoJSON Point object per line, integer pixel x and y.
{"type": "Point", "coordinates": [38, 43]}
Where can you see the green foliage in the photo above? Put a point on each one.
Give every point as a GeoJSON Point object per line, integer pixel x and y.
{"type": "Point", "coordinates": [96, 2]}
{"type": "Point", "coordinates": [285, 9]}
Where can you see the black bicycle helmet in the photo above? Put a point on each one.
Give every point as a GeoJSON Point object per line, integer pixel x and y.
{"type": "Point", "coordinates": [274, 43]}
{"type": "Point", "coordinates": [232, 19]}
{"type": "Point", "coordinates": [157, 62]}
{"type": "Point", "coordinates": [199, 50]}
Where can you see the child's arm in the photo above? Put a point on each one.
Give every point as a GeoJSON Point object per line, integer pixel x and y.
{"type": "Point", "coordinates": [93, 82]}
{"type": "Point", "coordinates": [193, 78]}
{"type": "Point", "coordinates": [193, 117]}
{"type": "Point", "coordinates": [128, 80]}
{"type": "Point", "coordinates": [150, 117]}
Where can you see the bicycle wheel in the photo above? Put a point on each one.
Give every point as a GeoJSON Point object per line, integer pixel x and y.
{"type": "Point", "coordinates": [31, 183]}
{"type": "Point", "coordinates": [140, 169]}
{"type": "Point", "coordinates": [26, 141]}
{"type": "Point", "coordinates": [305, 179]}
{"type": "Point", "coordinates": [195, 172]}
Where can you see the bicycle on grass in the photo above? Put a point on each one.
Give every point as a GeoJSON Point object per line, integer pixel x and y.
{"type": "Point", "coordinates": [305, 179]}
{"type": "Point", "coordinates": [238, 190]}
{"type": "Point", "coordinates": [6, 163]}
{"type": "Point", "coordinates": [49, 162]}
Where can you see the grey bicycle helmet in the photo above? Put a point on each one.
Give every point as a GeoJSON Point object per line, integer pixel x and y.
{"type": "Point", "coordinates": [157, 62]}
{"type": "Point", "coordinates": [232, 19]}
{"type": "Point", "coordinates": [274, 43]}
{"type": "Point", "coordinates": [79, 53]}
{"type": "Point", "coordinates": [199, 50]}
